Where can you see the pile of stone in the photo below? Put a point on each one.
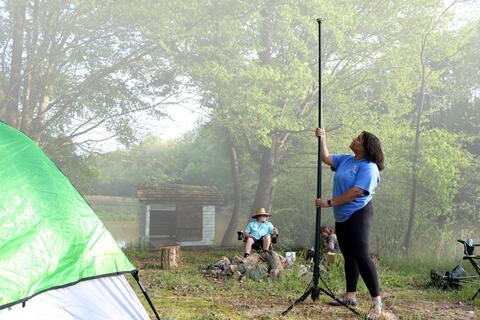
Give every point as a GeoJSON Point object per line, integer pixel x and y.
{"type": "Point", "coordinates": [256, 266]}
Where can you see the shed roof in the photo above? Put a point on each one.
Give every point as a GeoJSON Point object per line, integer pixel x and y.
{"type": "Point", "coordinates": [181, 193]}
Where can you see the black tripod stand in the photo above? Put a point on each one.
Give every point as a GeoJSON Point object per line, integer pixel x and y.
{"type": "Point", "coordinates": [314, 290]}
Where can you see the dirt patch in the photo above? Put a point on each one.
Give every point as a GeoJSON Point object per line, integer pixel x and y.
{"type": "Point", "coordinates": [403, 310]}
{"type": "Point", "coordinates": [420, 309]}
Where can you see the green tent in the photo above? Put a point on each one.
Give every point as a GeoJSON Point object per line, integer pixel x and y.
{"type": "Point", "coordinates": [53, 244]}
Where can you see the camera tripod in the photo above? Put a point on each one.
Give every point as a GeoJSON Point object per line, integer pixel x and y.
{"type": "Point", "coordinates": [314, 290]}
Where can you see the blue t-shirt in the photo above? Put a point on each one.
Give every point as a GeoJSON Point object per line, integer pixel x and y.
{"type": "Point", "coordinates": [259, 229]}
{"type": "Point", "coordinates": [353, 173]}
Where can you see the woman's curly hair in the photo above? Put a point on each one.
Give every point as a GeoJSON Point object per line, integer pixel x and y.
{"type": "Point", "coordinates": [373, 149]}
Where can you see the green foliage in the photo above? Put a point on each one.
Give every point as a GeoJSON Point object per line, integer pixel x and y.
{"type": "Point", "coordinates": [254, 65]}
{"type": "Point", "coordinates": [197, 159]}
{"type": "Point", "coordinates": [75, 168]}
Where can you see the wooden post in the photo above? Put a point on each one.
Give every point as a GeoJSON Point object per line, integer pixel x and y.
{"type": "Point", "coordinates": [170, 257]}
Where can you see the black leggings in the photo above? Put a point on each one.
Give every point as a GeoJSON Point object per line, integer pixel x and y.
{"type": "Point", "coordinates": [353, 238]}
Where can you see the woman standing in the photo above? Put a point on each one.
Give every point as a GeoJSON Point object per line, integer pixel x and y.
{"type": "Point", "coordinates": [356, 178]}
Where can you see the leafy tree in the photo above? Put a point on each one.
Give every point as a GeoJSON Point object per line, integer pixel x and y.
{"type": "Point", "coordinates": [198, 158]}
{"type": "Point", "coordinates": [461, 114]}
{"type": "Point", "coordinates": [430, 69]}
{"type": "Point", "coordinates": [259, 79]}
{"type": "Point", "coordinates": [72, 67]}
{"type": "Point", "coordinates": [392, 68]}
{"type": "Point", "coordinates": [76, 168]}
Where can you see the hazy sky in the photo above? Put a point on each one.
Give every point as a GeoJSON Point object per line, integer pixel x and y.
{"type": "Point", "coordinates": [180, 120]}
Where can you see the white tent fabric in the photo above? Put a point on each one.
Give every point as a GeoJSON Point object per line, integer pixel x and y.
{"type": "Point", "coordinates": [96, 299]}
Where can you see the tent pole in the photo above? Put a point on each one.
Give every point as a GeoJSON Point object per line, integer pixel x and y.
{"type": "Point", "coordinates": [142, 288]}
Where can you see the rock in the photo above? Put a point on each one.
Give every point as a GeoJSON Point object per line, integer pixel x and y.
{"type": "Point", "coordinates": [226, 260]}
{"type": "Point", "coordinates": [210, 267]}
{"type": "Point", "coordinates": [216, 272]}
{"type": "Point", "coordinates": [221, 264]}
{"type": "Point", "coordinates": [235, 260]}
{"type": "Point", "coordinates": [277, 261]}
{"type": "Point", "coordinates": [257, 273]}
{"type": "Point", "coordinates": [305, 274]}
{"type": "Point", "coordinates": [275, 273]}
{"type": "Point", "coordinates": [227, 272]}
{"type": "Point", "coordinates": [242, 268]}
{"type": "Point", "coordinates": [252, 259]}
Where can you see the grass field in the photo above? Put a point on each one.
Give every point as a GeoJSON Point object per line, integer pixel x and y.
{"type": "Point", "coordinates": [185, 294]}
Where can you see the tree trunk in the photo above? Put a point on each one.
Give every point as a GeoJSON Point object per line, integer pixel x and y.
{"type": "Point", "coordinates": [413, 194]}
{"type": "Point", "coordinates": [235, 174]}
{"type": "Point", "coordinates": [266, 182]}
{"type": "Point", "coordinates": [268, 175]}
{"type": "Point", "coordinates": [268, 156]}
{"type": "Point", "coordinates": [11, 106]}
{"type": "Point", "coordinates": [28, 104]}
{"type": "Point", "coordinates": [170, 257]}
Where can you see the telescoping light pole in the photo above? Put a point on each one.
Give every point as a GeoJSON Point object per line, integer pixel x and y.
{"type": "Point", "coordinates": [314, 289]}
{"type": "Point", "coordinates": [318, 217]}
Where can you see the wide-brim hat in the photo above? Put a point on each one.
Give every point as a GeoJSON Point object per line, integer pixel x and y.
{"type": "Point", "coordinates": [261, 212]}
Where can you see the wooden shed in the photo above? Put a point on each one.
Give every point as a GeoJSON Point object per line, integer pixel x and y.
{"type": "Point", "coordinates": [179, 214]}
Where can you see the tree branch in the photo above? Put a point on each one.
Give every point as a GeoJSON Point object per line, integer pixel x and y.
{"type": "Point", "coordinates": [91, 80]}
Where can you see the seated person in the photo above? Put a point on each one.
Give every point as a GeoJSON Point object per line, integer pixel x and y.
{"type": "Point", "coordinates": [259, 231]}
{"type": "Point", "coordinates": [330, 239]}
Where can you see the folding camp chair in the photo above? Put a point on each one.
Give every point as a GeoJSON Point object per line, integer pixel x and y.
{"type": "Point", "coordinates": [257, 245]}
{"type": "Point", "coordinates": [468, 254]}
{"type": "Point", "coordinates": [457, 277]}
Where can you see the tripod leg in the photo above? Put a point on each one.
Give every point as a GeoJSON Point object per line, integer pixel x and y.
{"type": "Point", "coordinates": [339, 301]}
{"type": "Point", "coordinates": [316, 292]}
{"type": "Point", "coordinates": [301, 299]}
{"type": "Point", "coordinates": [475, 295]}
